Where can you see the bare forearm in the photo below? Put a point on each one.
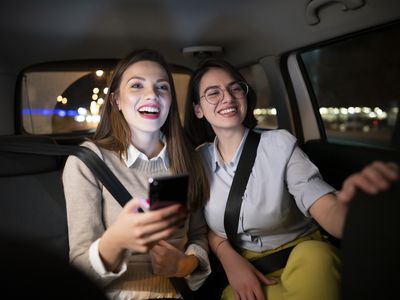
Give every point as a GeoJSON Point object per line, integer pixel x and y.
{"type": "Point", "coordinates": [221, 248]}
{"type": "Point", "coordinates": [330, 214]}
{"type": "Point", "coordinates": [330, 211]}
{"type": "Point", "coordinates": [215, 241]}
{"type": "Point", "coordinates": [229, 258]}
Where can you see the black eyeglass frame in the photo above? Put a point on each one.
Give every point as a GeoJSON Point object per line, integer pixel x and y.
{"type": "Point", "coordinates": [243, 84]}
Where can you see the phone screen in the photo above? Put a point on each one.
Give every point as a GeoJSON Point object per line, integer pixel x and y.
{"type": "Point", "coordinates": [168, 190]}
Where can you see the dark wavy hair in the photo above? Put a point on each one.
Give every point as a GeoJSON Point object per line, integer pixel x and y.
{"type": "Point", "coordinates": [199, 130]}
{"type": "Point", "coordinates": [113, 132]}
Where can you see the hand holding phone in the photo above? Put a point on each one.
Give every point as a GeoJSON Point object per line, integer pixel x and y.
{"type": "Point", "coordinates": [168, 190]}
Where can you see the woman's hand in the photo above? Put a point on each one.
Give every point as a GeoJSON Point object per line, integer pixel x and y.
{"type": "Point", "coordinates": [246, 283]}
{"type": "Point", "coordinates": [169, 261]}
{"type": "Point", "coordinates": [138, 232]}
{"type": "Point", "coordinates": [374, 178]}
{"type": "Point", "coordinates": [330, 211]}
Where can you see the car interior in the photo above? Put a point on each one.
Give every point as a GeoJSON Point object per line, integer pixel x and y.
{"type": "Point", "coordinates": [327, 71]}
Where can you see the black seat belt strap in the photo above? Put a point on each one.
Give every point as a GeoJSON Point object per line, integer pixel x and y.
{"type": "Point", "coordinates": [102, 172]}
{"type": "Point", "coordinates": [239, 183]}
{"type": "Point", "coordinates": [273, 261]}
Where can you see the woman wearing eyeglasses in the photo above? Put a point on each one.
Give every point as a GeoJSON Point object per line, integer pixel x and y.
{"type": "Point", "coordinates": [284, 199]}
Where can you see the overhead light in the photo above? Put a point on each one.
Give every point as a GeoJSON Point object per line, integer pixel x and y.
{"type": "Point", "coordinates": [202, 51]}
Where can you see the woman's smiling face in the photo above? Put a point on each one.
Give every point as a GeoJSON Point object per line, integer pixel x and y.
{"type": "Point", "coordinates": [144, 96]}
{"type": "Point", "coordinates": [230, 112]}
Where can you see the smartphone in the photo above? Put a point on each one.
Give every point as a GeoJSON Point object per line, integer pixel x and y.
{"type": "Point", "coordinates": [168, 190]}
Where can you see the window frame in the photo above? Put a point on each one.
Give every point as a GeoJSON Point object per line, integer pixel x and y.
{"type": "Point", "coordinates": [69, 65]}
{"type": "Point", "coordinates": [302, 94]}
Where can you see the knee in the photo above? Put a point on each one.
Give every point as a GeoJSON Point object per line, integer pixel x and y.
{"type": "Point", "coordinates": [312, 259]}
{"type": "Point", "coordinates": [314, 254]}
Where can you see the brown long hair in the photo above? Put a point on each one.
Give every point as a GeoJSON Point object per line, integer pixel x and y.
{"type": "Point", "coordinates": [113, 132]}
{"type": "Point", "coordinates": [199, 130]}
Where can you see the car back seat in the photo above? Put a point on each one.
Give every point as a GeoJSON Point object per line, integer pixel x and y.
{"type": "Point", "coordinates": [40, 203]}
{"type": "Point", "coordinates": [32, 204]}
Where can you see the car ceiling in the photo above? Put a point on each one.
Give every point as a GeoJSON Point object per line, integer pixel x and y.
{"type": "Point", "coordinates": [34, 31]}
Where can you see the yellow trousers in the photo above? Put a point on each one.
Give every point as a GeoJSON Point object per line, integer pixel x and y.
{"type": "Point", "coordinates": [311, 273]}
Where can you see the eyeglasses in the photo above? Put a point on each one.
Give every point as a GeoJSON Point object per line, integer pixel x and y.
{"type": "Point", "coordinates": [238, 90]}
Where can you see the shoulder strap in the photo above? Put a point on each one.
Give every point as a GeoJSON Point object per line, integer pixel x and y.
{"type": "Point", "coordinates": [239, 183]}
{"type": "Point", "coordinates": [101, 171]}
{"type": "Point", "coordinates": [104, 174]}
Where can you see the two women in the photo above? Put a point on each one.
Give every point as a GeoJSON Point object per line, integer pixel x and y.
{"type": "Point", "coordinates": [132, 254]}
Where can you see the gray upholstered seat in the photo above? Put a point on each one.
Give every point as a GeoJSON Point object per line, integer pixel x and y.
{"type": "Point", "coordinates": [32, 205]}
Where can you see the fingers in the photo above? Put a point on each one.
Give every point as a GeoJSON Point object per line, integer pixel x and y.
{"type": "Point", "coordinates": [236, 295]}
{"type": "Point", "coordinates": [153, 224]}
{"type": "Point", "coordinates": [155, 262]}
{"type": "Point", "coordinates": [149, 228]}
{"type": "Point", "coordinates": [374, 178]}
{"type": "Point", "coordinates": [252, 289]}
{"type": "Point", "coordinates": [346, 193]}
{"type": "Point", "coordinates": [167, 212]}
{"type": "Point", "coordinates": [153, 233]}
{"type": "Point", "coordinates": [146, 229]}
{"type": "Point", "coordinates": [163, 246]}
{"type": "Point", "coordinates": [167, 260]}
{"type": "Point", "coordinates": [351, 184]}
{"type": "Point", "coordinates": [164, 217]}
{"type": "Point", "coordinates": [380, 175]}
{"type": "Point", "coordinates": [149, 241]}
{"type": "Point", "coordinates": [264, 279]}
{"type": "Point", "coordinates": [258, 294]}
{"type": "Point", "coordinates": [387, 170]}
{"type": "Point", "coordinates": [132, 205]}
{"type": "Point", "coordinates": [158, 254]}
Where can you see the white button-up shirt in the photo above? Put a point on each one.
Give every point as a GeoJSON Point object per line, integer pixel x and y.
{"type": "Point", "coordinates": [282, 186]}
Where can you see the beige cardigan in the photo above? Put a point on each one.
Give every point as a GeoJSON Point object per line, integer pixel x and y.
{"type": "Point", "coordinates": [91, 209]}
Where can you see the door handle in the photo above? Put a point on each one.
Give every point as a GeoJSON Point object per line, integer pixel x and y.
{"type": "Point", "coordinates": [314, 6]}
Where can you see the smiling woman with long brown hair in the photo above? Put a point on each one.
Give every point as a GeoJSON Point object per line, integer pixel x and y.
{"type": "Point", "coordinates": [139, 136]}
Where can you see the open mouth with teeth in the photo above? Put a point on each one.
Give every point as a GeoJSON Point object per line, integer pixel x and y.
{"type": "Point", "coordinates": [228, 111]}
{"type": "Point", "coordinates": [149, 112]}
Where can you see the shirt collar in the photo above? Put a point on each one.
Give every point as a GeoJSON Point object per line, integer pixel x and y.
{"type": "Point", "coordinates": [219, 162]}
{"type": "Point", "coordinates": [133, 154]}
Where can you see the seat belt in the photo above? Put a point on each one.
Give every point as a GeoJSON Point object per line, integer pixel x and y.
{"type": "Point", "coordinates": [239, 183]}
{"type": "Point", "coordinates": [101, 171]}
{"type": "Point", "coordinates": [268, 263]}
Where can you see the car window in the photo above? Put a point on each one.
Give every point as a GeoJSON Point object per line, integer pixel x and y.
{"type": "Point", "coordinates": [265, 111]}
{"type": "Point", "coordinates": [62, 100]}
{"type": "Point", "coordinates": [355, 82]}
{"type": "Point", "coordinates": [66, 100]}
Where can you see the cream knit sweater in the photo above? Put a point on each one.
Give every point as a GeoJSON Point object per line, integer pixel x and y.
{"type": "Point", "coordinates": [91, 209]}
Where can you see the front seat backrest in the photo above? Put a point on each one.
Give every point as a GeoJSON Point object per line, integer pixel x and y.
{"type": "Point", "coordinates": [32, 204]}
